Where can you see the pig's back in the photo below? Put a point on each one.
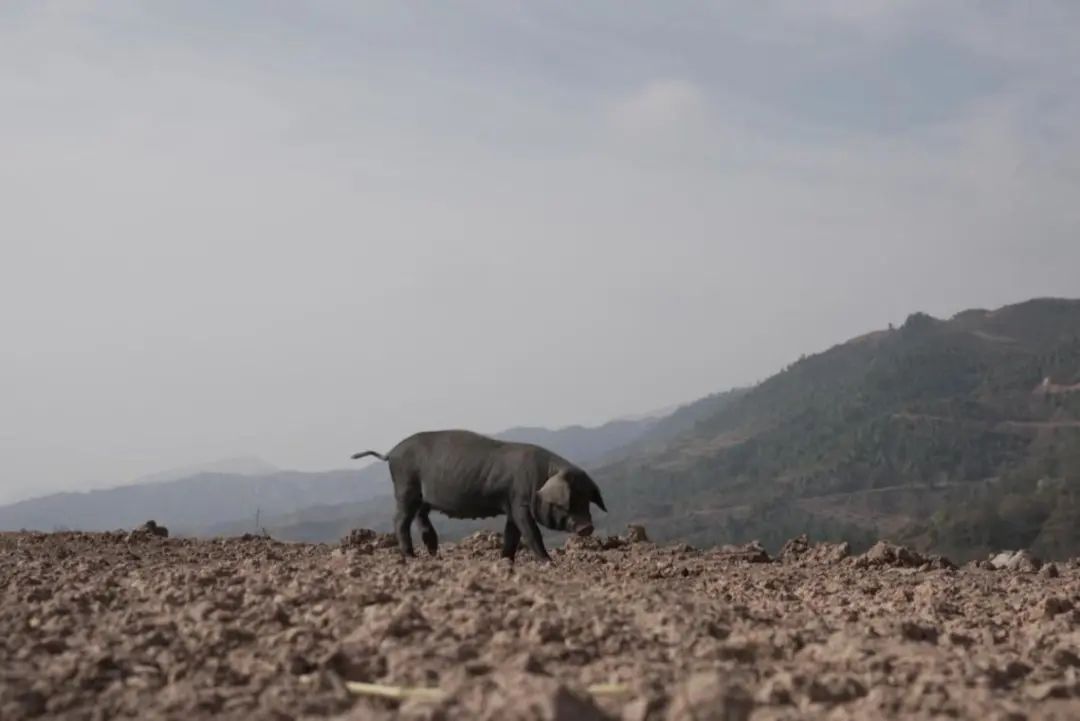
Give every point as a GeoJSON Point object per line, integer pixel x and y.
{"type": "Point", "coordinates": [462, 473]}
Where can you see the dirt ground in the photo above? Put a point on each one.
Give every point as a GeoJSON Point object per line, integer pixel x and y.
{"type": "Point", "coordinates": [97, 626]}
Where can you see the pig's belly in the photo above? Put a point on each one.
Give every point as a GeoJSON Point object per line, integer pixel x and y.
{"type": "Point", "coordinates": [463, 504]}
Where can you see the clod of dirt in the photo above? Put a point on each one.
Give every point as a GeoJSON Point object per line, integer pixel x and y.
{"type": "Point", "coordinates": [1050, 570]}
{"type": "Point", "coordinates": [1053, 606]}
{"type": "Point", "coordinates": [883, 553]}
{"type": "Point", "coordinates": [515, 696]}
{"type": "Point", "coordinates": [151, 526]}
{"type": "Point", "coordinates": [799, 549]}
{"type": "Point", "coordinates": [367, 541]}
{"type": "Point", "coordinates": [709, 697]}
{"type": "Point", "coordinates": [794, 548]}
{"type": "Point", "coordinates": [919, 632]}
{"type": "Point", "coordinates": [934, 561]}
{"type": "Point", "coordinates": [645, 708]}
{"type": "Point", "coordinates": [146, 531]}
{"type": "Point", "coordinates": [1019, 561]}
{"type": "Point", "coordinates": [635, 534]}
{"type": "Point", "coordinates": [583, 543]}
{"type": "Point", "coordinates": [612, 542]}
{"type": "Point", "coordinates": [752, 552]}
{"type": "Point", "coordinates": [778, 690]}
{"type": "Point", "coordinates": [481, 543]}
{"type": "Point", "coordinates": [28, 704]}
{"type": "Point", "coordinates": [1066, 658]}
{"type": "Point", "coordinates": [834, 689]}
{"type": "Point", "coordinates": [1048, 690]}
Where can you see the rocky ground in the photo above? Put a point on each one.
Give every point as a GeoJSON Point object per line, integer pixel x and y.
{"type": "Point", "coordinates": [96, 626]}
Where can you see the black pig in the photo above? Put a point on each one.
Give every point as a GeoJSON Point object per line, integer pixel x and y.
{"type": "Point", "coordinates": [467, 475]}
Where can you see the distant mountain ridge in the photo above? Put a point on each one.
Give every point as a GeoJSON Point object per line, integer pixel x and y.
{"type": "Point", "coordinates": [188, 503]}
{"type": "Point", "coordinates": [238, 466]}
{"type": "Point", "coordinates": [226, 495]}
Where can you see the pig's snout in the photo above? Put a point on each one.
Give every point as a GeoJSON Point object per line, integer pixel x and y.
{"type": "Point", "coordinates": [585, 529]}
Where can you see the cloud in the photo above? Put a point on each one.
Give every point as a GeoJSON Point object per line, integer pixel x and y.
{"type": "Point", "coordinates": [661, 108]}
{"type": "Point", "coordinates": [274, 231]}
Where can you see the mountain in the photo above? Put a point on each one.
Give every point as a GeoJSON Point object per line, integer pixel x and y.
{"type": "Point", "coordinates": [580, 444]}
{"type": "Point", "coordinates": [225, 496]}
{"type": "Point", "coordinates": [958, 435]}
{"type": "Point", "coordinates": [239, 466]}
{"type": "Point", "coordinates": [190, 503]}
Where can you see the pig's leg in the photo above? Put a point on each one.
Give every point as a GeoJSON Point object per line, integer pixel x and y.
{"type": "Point", "coordinates": [530, 532]}
{"type": "Point", "coordinates": [427, 531]}
{"type": "Point", "coordinates": [409, 497]}
{"type": "Point", "coordinates": [402, 523]}
{"type": "Point", "coordinates": [511, 539]}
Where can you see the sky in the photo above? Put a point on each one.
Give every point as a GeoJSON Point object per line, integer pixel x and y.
{"type": "Point", "coordinates": [297, 230]}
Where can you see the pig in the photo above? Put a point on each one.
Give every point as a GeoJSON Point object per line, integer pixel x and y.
{"type": "Point", "coordinates": [467, 475]}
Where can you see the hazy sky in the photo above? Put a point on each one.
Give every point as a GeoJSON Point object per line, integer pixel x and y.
{"type": "Point", "coordinates": [295, 230]}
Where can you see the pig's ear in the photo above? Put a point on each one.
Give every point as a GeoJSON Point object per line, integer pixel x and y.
{"type": "Point", "coordinates": [556, 491]}
{"type": "Point", "coordinates": [597, 499]}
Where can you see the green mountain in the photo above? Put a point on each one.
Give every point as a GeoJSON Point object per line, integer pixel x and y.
{"type": "Point", "coordinates": [959, 435]}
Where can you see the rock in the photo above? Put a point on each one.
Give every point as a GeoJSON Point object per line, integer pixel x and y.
{"type": "Point", "coordinates": [1053, 606]}
{"type": "Point", "coordinates": [1003, 675]}
{"type": "Point", "coordinates": [794, 548]}
{"type": "Point", "coordinates": [919, 632]}
{"type": "Point", "coordinates": [28, 704]}
{"type": "Point", "coordinates": [937, 562]}
{"type": "Point", "coordinates": [406, 620]}
{"type": "Point", "coordinates": [524, 662]}
{"type": "Point", "coordinates": [612, 542]}
{"type": "Point", "coordinates": [354, 661]}
{"type": "Point", "coordinates": [883, 553]}
{"type": "Point", "coordinates": [481, 543]}
{"type": "Point", "coordinates": [830, 552]}
{"type": "Point", "coordinates": [799, 549]}
{"type": "Point", "coordinates": [834, 689]}
{"type": "Point", "coordinates": [778, 690]}
{"type": "Point", "coordinates": [1065, 658]}
{"type": "Point", "coordinates": [1050, 570]}
{"type": "Point", "coordinates": [515, 696]}
{"type": "Point", "coordinates": [583, 543]}
{"type": "Point", "coordinates": [635, 534]}
{"type": "Point", "coordinates": [367, 541]}
{"type": "Point", "coordinates": [752, 552]}
{"type": "Point", "coordinates": [1049, 689]}
{"type": "Point", "coordinates": [147, 531]}
{"type": "Point", "coordinates": [645, 708]}
{"type": "Point", "coordinates": [1018, 561]}
{"type": "Point", "coordinates": [153, 528]}
{"type": "Point", "coordinates": [708, 697]}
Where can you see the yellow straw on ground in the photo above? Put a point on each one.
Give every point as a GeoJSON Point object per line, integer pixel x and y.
{"type": "Point", "coordinates": [406, 693]}
{"type": "Point", "coordinates": [400, 693]}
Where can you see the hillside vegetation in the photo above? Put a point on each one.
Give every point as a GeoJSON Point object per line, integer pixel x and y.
{"type": "Point", "coordinates": [961, 436]}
